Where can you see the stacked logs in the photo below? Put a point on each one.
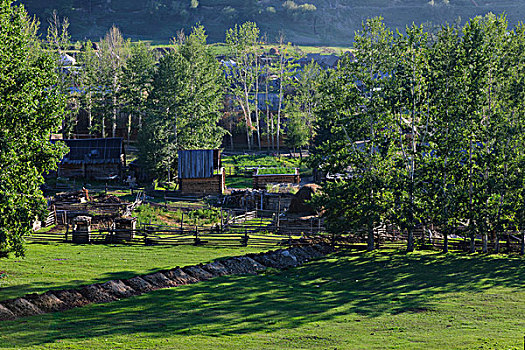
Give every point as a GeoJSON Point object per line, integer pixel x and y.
{"type": "Point", "coordinates": [61, 300]}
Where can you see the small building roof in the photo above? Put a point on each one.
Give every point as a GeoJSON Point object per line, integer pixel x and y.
{"type": "Point", "coordinates": [201, 163]}
{"type": "Point", "coordinates": [94, 151]}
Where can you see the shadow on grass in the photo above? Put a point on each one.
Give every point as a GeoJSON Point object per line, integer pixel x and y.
{"type": "Point", "coordinates": [364, 284]}
{"type": "Point", "coordinates": [65, 278]}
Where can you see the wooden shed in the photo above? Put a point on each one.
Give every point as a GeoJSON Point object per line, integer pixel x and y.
{"type": "Point", "coordinates": [100, 159]}
{"type": "Point", "coordinates": [200, 172]}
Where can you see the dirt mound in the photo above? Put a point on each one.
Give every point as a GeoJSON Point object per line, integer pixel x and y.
{"type": "Point", "coordinates": [300, 254]}
{"type": "Point", "coordinates": [266, 260]}
{"type": "Point", "coordinates": [159, 280]}
{"type": "Point", "coordinates": [6, 314]}
{"type": "Point", "coordinates": [243, 265]}
{"type": "Point", "coordinates": [71, 298]}
{"type": "Point", "coordinates": [52, 301]}
{"type": "Point", "coordinates": [216, 269]}
{"type": "Point", "coordinates": [47, 302]}
{"type": "Point", "coordinates": [283, 259]}
{"type": "Point", "coordinates": [179, 277]}
{"type": "Point", "coordinates": [21, 307]}
{"type": "Point", "coordinates": [198, 273]}
{"type": "Point", "coordinates": [251, 264]}
{"type": "Point", "coordinates": [96, 294]}
{"type": "Point", "coordinates": [235, 267]}
{"type": "Point", "coordinates": [140, 285]}
{"type": "Point", "coordinates": [312, 253]}
{"type": "Point", "coordinates": [323, 248]}
{"type": "Point", "coordinates": [118, 289]}
{"type": "Point", "coordinates": [299, 204]}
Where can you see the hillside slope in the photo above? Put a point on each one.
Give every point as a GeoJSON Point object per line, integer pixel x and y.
{"type": "Point", "coordinates": [327, 22]}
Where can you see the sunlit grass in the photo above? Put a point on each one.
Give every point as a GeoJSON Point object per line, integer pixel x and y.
{"type": "Point", "coordinates": [384, 300]}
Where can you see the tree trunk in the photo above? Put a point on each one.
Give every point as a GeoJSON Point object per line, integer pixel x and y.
{"type": "Point", "coordinates": [472, 243]}
{"type": "Point", "coordinates": [248, 139]}
{"type": "Point", "coordinates": [231, 135]}
{"type": "Point", "coordinates": [129, 127]}
{"type": "Point", "coordinates": [281, 77]}
{"type": "Point", "coordinates": [522, 248]}
{"type": "Point", "coordinates": [257, 102]}
{"type": "Point", "coordinates": [273, 133]}
{"type": "Point", "coordinates": [370, 239]}
{"type": "Point", "coordinates": [445, 240]}
{"type": "Point", "coordinates": [410, 241]}
{"type": "Point", "coordinates": [485, 243]}
{"type": "Point", "coordinates": [279, 121]}
{"type": "Point", "coordinates": [114, 99]}
{"type": "Point", "coordinates": [90, 117]}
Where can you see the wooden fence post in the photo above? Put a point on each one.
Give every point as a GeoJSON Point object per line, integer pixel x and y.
{"type": "Point", "coordinates": [279, 214]}
{"type": "Point", "coordinates": [245, 238]}
{"type": "Point", "coordinates": [222, 221]}
{"type": "Point", "coordinates": [182, 224]}
{"type": "Point", "coordinates": [197, 240]}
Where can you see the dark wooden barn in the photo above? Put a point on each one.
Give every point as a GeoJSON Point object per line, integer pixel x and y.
{"type": "Point", "coordinates": [200, 172]}
{"type": "Point", "coordinates": [99, 159]}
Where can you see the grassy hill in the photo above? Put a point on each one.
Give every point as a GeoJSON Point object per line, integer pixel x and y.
{"type": "Point", "coordinates": [380, 300]}
{"type": "Point", "coordinates": [327, 22]}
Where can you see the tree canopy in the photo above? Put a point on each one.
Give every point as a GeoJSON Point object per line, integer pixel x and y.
{"type": "Point", "coordinates": [426, 130]}
{"type": "Point", "coordinates": [186, 99]}
{"type": "Point", "coordinates": [31, 107]}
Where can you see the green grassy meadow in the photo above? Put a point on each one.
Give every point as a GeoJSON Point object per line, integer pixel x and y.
{"type": "Point", "coordinates": [268, 164]}
{"type": "Point", "coordinates": [381, 300]}
{"type": "Point", "coordinates": [61, 266]}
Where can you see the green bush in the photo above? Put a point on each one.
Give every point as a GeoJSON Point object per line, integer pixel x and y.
{"type": "Point", "coordinates": [279, 170]}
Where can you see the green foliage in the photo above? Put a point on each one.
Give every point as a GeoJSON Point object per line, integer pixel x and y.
{"type": "Point", "coordinates": [254, 160]}
{"type": "Point", "coordinates": [425, 132]}
{"type": "Point", "coordinates": [242, 42]}
{"type": "Point", "coordinates": [185, 103]}
{"type": "Point", "coordinates": [31, 107]}
{"type": "Point", "coordinates": [300, 106]}
{"type": "Point", "coordinates": [281, 170]}
{"type": "Point", "coordinates": [161, 216]}
{"type": "Point", "coordinates": [353, 137]}
{"type": "Point", "coordinates": [137, 78]}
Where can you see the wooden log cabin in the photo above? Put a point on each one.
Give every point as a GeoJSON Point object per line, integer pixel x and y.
{"type": "Point", "coordinates": [200, 172]}
{"type": "Point", "coordinates": [99, 159]}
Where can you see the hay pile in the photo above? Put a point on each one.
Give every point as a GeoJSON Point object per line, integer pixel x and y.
{"type": "Point", "coordinates": [299, 204]}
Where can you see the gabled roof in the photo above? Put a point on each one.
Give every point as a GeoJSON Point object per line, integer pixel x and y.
{"type": "Point", "coordinates": [93, 151]}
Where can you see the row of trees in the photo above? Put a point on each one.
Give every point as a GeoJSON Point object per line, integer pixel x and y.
{"type": "Point", "coordinates": [426, 129]}
{"type": "Point", "coordinates": [174, 100]}
{"type": "Point", "coordinates": [266, 87]}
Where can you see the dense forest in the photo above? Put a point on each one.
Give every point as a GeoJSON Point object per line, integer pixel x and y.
{"type": "Point", "coordinates": [317, 22]}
